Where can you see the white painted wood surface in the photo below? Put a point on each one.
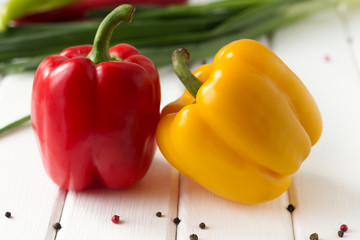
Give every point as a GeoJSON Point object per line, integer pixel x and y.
{"type": "Point", "coordinates": [323, 50]}
{"type": "Point", "coordinates": [327, 189]}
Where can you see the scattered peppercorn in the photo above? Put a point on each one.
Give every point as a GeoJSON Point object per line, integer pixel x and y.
{"type": "Point", "coordinates": [176, 221]}
{"type": "Point", "coordinates": [115, 219]}
{"type": "Point", "coordinates": [158, 214]}
{"type": "Point", "coordinates": [202, 225]}
{"type": "Point", "coordinates": [193, 237]}
{"type": "Point", "coordinates": [344, 227]}
{"type": "Point", "coordinates": [8, 214]}
{"type": "Point", "coordinates": [340, 233]}
{"type": "Point", "coordinates": [57, 226]}
{"type": "Point", "coordinates": [290, 208]}
{"type": "Point", "coordinates": [314, 236]}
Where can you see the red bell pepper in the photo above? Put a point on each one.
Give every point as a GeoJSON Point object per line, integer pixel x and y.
{"type": "Point", "coordinates": [94, 111]}
{"type": "Point", "coordinates": [78, 10]}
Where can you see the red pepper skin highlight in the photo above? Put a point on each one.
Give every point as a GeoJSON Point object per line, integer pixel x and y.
{"type": "Point", "coordinates": [96, 121]}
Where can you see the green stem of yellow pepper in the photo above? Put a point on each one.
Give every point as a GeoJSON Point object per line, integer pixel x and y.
{"type": "Point", "coordinates": [179, 58]}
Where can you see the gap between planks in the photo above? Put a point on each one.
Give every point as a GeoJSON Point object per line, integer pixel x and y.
{"type": "Point", "coordinates": [178, 203]}
{"type": "Point", "coordinates": [56, 214]}
{"type": "Point", "coordinates": [270, 43]}
{"type": "Point", "coordinates": [343, 13]}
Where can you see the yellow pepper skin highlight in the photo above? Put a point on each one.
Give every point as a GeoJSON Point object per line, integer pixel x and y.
{"type": "Point", "coordinates": [252, 124]}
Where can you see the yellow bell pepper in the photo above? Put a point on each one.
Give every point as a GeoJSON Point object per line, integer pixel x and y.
{"type": "Point", "coordinates": [251, 125]}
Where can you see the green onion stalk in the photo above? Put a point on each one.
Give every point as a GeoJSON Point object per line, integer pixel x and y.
{"type": "Point", "coordinates": [157, 32]}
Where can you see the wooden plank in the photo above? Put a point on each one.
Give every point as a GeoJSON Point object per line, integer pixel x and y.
{"type": "Point", "coordinates": [26, 191]}
{"type": "Point", "coordinates": [15, 93]}
{"type": "Point", "coordinates": [201, 1]}
{"type": "Point", "coordinates": [171, 86]}
{"type": "Point", "coordinates": [326, 190]}
{"type": "Point", "coordinates": [229, 220]}
{"type": "Point", "coordinates": [351, 19]}
{"type": "Point", "coordinates": [87, 214]}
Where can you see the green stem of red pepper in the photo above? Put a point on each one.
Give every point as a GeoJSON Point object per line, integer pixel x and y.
{"type": "Point", "coordinates": [179, 58]}
{"type": "Point", "coordinates": [100, 50]}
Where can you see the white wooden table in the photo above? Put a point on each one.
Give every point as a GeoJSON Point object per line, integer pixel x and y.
{"type": "Point", "coordinates": [323, 50]}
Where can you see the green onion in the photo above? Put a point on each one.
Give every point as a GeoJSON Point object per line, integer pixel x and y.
{"type": "Point", "coordinates": [157, 32]}
{"type": "Point", "coordinates": [14, 124]}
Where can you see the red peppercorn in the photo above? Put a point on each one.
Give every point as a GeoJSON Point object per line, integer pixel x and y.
{"type": "Point", "coordinates": [344, 228]}
{"type": "Point", "coordinates": [115, 219]}
{"type": "Point", "coordinates": [327, 58]}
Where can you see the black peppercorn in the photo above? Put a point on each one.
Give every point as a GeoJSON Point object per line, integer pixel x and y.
{"type": "Point", "coordinates": [57, 226]}
{"type": "Point", "coordinates": [176, 221]}
{"type": "Point", "coordinates": [158, 214]}
{"type": "Point", "coordinates": [290, 208]}
{"type": "Point", "coordinates": [314, 236]}
{"type": "Point", "coordinates": [193, 237]}
{"type": "Point", "coordinates": [340, 233]}
{"type": "Point", "coordinates": [202, 225]}
{"type": "Point", "coordinates": [8, 214]}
